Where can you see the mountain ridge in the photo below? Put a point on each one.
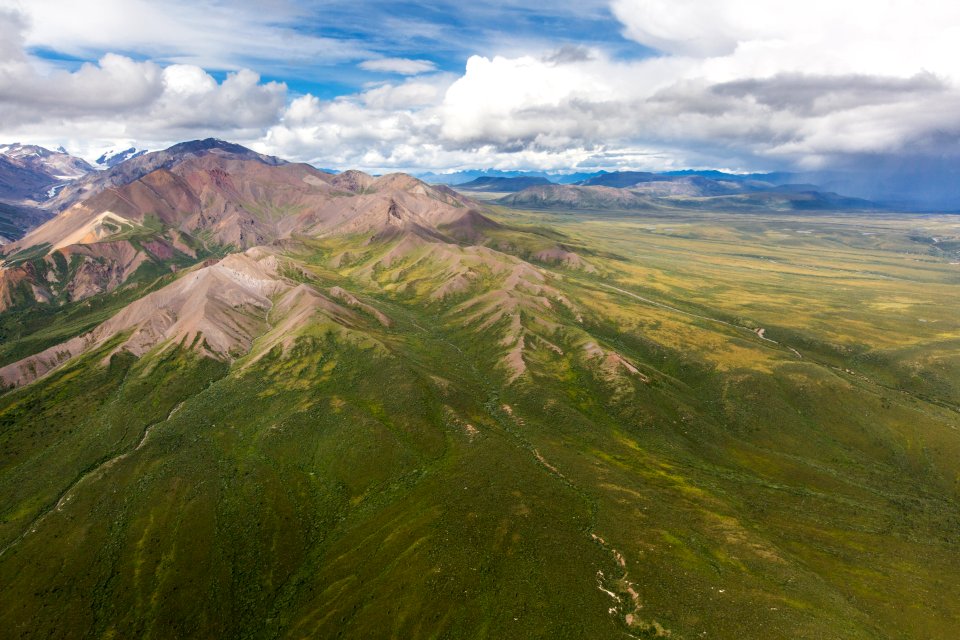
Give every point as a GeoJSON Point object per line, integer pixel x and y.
{"type": "Point", "coordinates": [644, 191]}
{"type": "Point", "coordinates": [161, 204]}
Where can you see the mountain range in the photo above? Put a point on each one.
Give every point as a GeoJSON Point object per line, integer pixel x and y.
{"type": "Point", "coordinates": [916, 186]}
{"type": "Point", "coordinates": [157, 207]}
{"type": "Point", "coordinates": [242, 397]}
{"type": "Point", "coordinates": [29, 175]}
{"type": "Point", "coordinates": [501, 184]}
{"type": "Point", "coordinates": [648, 191]}
{"type": "Point", "coordinates": [36, 183]}
{"type": "Point", "coordinates": [454, 178]}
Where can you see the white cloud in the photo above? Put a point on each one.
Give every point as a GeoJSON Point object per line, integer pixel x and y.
{"type": "Point", "coordinates": [739, 84]}
{"type": "Point", "coordinates": [114, 83]}
{"type": "Point", "coordinates": [741, 81]}
{"type": "Point", "coordinates": [401, 66]}
{"type": "Point", "coordinates": [751, 38]}
{"type": "Point", "coordinates": [214, 35]}
{"type": "Point", "coordinates": [119, 98]}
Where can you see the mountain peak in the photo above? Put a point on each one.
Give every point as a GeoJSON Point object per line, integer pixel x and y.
{"type": "Point", "coordinates": [113, 157]}
{"type": "Point", "coordinates": [30, 171]}
{"type": "Point", "coordinates": [208, 144]}
{"type": "Point", "coordinates": [139, 164]}
{"type": "Point", "coordinates": [216, 145]}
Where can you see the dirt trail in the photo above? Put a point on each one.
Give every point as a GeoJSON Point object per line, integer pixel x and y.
{"type": "Point", "coordinates": [849, 372]}
{"type": "Point", "coordinates": [759, 332]}
{"type": "Point", "coordinates": [681, 311]}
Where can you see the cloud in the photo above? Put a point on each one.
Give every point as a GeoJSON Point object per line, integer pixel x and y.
{"type": "Point", "coordinates": [213, 35]}
{"type": "Point", "coordinates": [401, 66]}
{"type": "Point", "coordinates": [818, 95]}
{"type": "Point", "coordinates": [755, 38]}
{"type": "Point", "coordinates": [32, 91]}
{"type": "Point", "coordinates": [740, 83]}
{"type": "Point", "coordinates": [121, 98]}
{"type": "Point", "coordinates": [570, 53]}
{"type": "Point", "coordinates": [735, 83]}
{"type": "Point", "coordinates": [114, 84]}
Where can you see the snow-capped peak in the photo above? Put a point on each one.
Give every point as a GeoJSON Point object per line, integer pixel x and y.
{"type": "Point", "coordinates": [113, 157]}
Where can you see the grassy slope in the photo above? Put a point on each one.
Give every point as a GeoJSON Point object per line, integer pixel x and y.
{"type": "Point", "coordinates": [397, 487]}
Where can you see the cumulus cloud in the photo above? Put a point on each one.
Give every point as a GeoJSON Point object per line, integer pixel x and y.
{"type": "Point", "coordinates": [736, 83]}
{"type": "Point", "coordinates": [401, 66]}
{"type": "Point", "coordinates": [121, 98]}
{"type": "Point", "coordinates": [739, 83]}
{"type": "Point", "coordinates": [115, 83]}
{"type": "Point", "coordinates": [753, 38]}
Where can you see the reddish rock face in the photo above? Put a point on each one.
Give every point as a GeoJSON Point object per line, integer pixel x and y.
{"type": "Point", "coordinates": [230, 199]}
{"type": "Point", "coordinates": [159, 250]}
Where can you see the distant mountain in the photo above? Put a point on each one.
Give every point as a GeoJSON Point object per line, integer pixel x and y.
{"type": "Point", "coordinates": [909, 184]}
{"type": "Point", "coordinates": [779, 199]}
{"type": "Point", "coordinates": [30, 175]}
{"type": "Point", "coordinates": [504, 185]}
{"type": "Point", "coordinates": [574, 178]}
{"type": "Point", "coordinates": [691, 182]}
{"type": "Point", "coordinates": [58, 165]}
{"type": "Point", "coordinates": [686, 192]}
{"type": "Point", "coordinates": [114, 157]}
{"type": "Point", "coordinates": [695, 186]}
{"type": "Point", "coordinates": [775, 178]}
{"type": "Point", "coordinates": [463, 177]}
{"type": "Point", "coordinates": [620, 179]}
{"type": "Point", "coordinates": [558, 196]}
{"type": "Point", "coordinates": [169, 207]}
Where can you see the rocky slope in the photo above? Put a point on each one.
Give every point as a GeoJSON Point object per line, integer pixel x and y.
{"type": "Point", "coordinates": [205, 197]}
{"type": "Point", "coordinates": [58, 166]}
{"type": "Point", "coordinates": [216, 309]}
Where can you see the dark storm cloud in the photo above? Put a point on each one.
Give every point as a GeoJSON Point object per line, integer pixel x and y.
{"type": "Point", "coordinates": [819, 94]}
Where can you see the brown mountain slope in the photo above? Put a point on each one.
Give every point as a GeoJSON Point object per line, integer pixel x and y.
{"type": "Point", "coordinates": [237, 201]}
{"type": "Point", "coordinates": [217, 310]}
{"type": "Point", "coordinates": [135, 168]}
{"type": "Point", "coordinates": [214, 199]}
{"type": "Point", "coordinates": [243, 202]}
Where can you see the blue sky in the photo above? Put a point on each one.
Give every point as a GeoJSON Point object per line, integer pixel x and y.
{"type": "Point", "coordinates": [617, 84]}
{"type": "Point", "coordinates": [443, 33]}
